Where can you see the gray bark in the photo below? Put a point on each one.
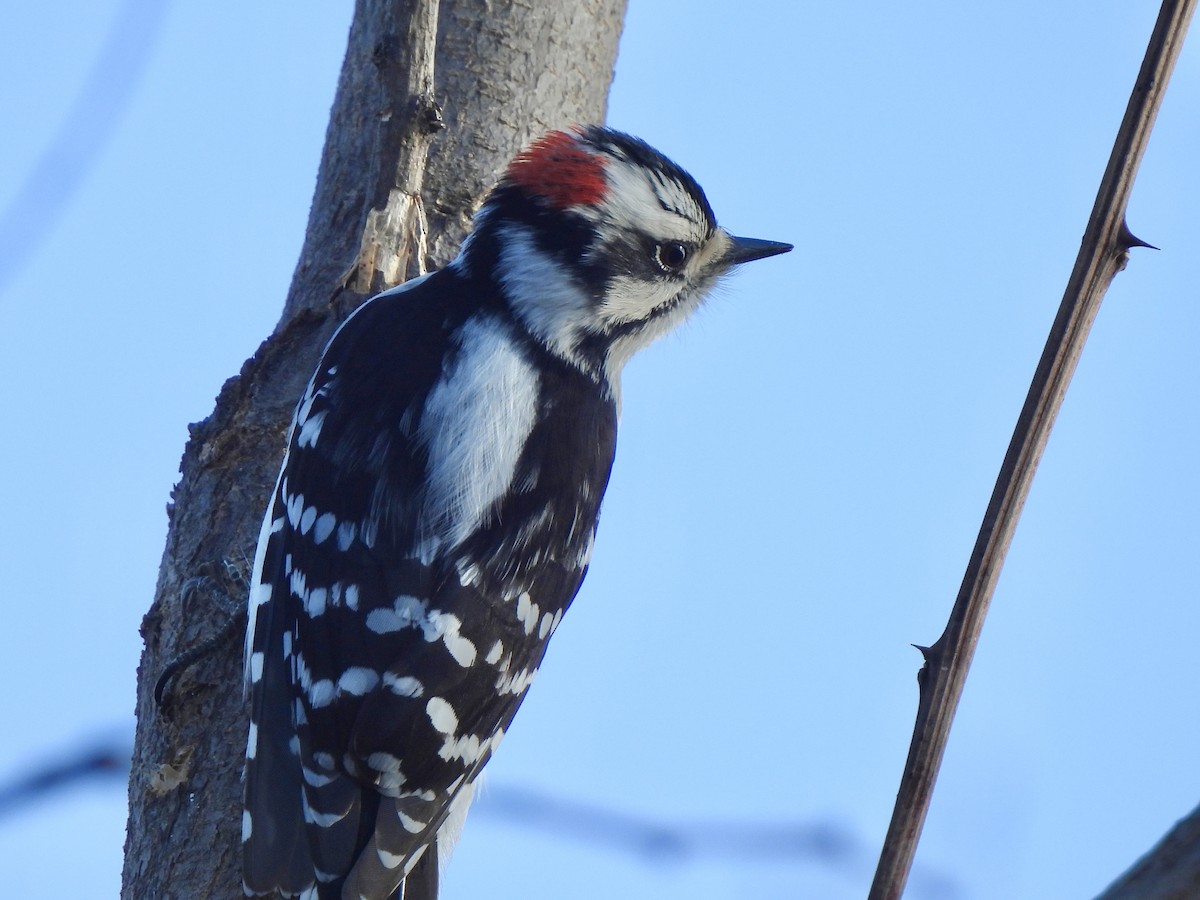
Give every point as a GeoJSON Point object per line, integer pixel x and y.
{"type": "Point", "coordinates": [1170, 871]}
{"type": "Point", "coordinates": [505, 71]}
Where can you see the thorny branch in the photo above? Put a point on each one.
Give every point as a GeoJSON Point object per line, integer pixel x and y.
{"type": "Point", "coordinates": [1102, 255]}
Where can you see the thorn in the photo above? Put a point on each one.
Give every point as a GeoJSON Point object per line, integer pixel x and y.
{"type": "Point", "coordinates": [1128, 239]}
{"type": "Point", "coordinates": [923, 672]}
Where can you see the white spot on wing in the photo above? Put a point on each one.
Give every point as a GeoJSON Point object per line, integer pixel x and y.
{"type": "Point", "coordinates": [324, 760]}
{"type": "Point", "coordinates": [389, 783]}
{"type": "Point", "coordinates": [260, 594]}
{"type": "Point", "coordinates": [316, 779]}
{"type": "Point", "coordinates": [406, 612]}
{"type": "Point", "coordinates": [493, 656]}
{"type": "Point", "coordinates": [585, 557]}
{"type": "Point", "coordinates": [388, 777]}
{"type": "Point", "coordinates": [527, 612]}
{"type": "Point", "coordinates": [403, 685]}
{"type": "Point", "coordinates": [314, 601]}
{"type": "Point", "coordinates": [345, 535]}
{"type": "Point", "coordinates": [468, 748]}
{"type": "Point", "coordinates": [414, 826]}
{"type": "Point", "coordinates": [311, 393]}
{"type": "Point", "coordinates": [261, 591]}
{"type": "Point", "coordinates": [384, 762]}
{"type": "Point", "coordinates": [324, 820]}
{"type": "Point", "coordinates": [516, 683]}
{"type": "Point", "coordinates": [469, 573]}
{"type": "Point", "coordinates": [321, 693]}
{"type": "Point", "coordinates": [442, 715]}
{"type": "Point", "coordinates": [298, 582]}
{"type": "Point", "coordinates": [411, 612]}
{"type": "Point", "coordinates": [447, 627]}
{"type": "Point", "coordinates": [358, 680]}
{"type": "Point", "coordinates": [323, 527]}
{"type": "Point", "coordinates": [369, 533]}
{"type": "Point", "coordinates": [311, 430]}
{"type": "Point", "coordinates": [295, 508]}
{"type": "Point", "coordinates": [389, 860]}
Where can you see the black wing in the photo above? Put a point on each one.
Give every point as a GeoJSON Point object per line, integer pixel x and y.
{"type": "Point", "coordinates": [385, 668]}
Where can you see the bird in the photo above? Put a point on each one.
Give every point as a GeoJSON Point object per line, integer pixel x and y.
{"type": "Point", "coordinates": [437, 505]}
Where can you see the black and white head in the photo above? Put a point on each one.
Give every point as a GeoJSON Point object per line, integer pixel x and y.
{"type": "Point", "coordinates": [600, 244]}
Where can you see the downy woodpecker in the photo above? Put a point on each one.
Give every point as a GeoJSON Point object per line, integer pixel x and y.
{"type": "Point", "coordinates": [435, 511]}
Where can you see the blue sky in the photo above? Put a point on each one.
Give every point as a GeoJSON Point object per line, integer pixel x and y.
{"type": "Point", "coordinates": [801, 471]}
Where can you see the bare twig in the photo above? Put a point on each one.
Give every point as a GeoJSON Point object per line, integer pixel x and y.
{"type": "Point", "coordinates": [1103, 254]}
{"type": "Point", "coordinates": [63, 166]}
{"type": "Point", "coordinates": [108, 760]}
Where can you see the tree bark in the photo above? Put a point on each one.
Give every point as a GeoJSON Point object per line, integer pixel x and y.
{"type": "Point", "coordinates": [1170, 871]}
{"type": "Point", "coordinates": [395, 194]}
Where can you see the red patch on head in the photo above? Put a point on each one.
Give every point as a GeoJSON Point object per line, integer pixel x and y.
{"type": "Point", "coordinates": [557, 168]}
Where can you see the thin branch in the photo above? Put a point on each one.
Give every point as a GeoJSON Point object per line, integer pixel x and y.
{"type": "Point", "coordinates": [820, 843]}
{"type": "Point", "coordinates": [1103, 254]}
{"type": "Point", "coordinates": [109, 760]}
{"type": "Point", "coordinates": [62, 168]}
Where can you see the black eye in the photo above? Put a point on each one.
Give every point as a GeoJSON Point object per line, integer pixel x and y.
{"type": "Point", "coordinates": [670, 255]}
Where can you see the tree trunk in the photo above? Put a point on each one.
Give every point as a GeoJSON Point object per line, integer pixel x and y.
{"type": "Point", "coordinates": [1170, 871]}
{"type": "Point", "coordinates": [395, 193]}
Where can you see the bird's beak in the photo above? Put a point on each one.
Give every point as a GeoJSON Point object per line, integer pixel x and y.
{"type": "Point", "coordinates": [743, 250]}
